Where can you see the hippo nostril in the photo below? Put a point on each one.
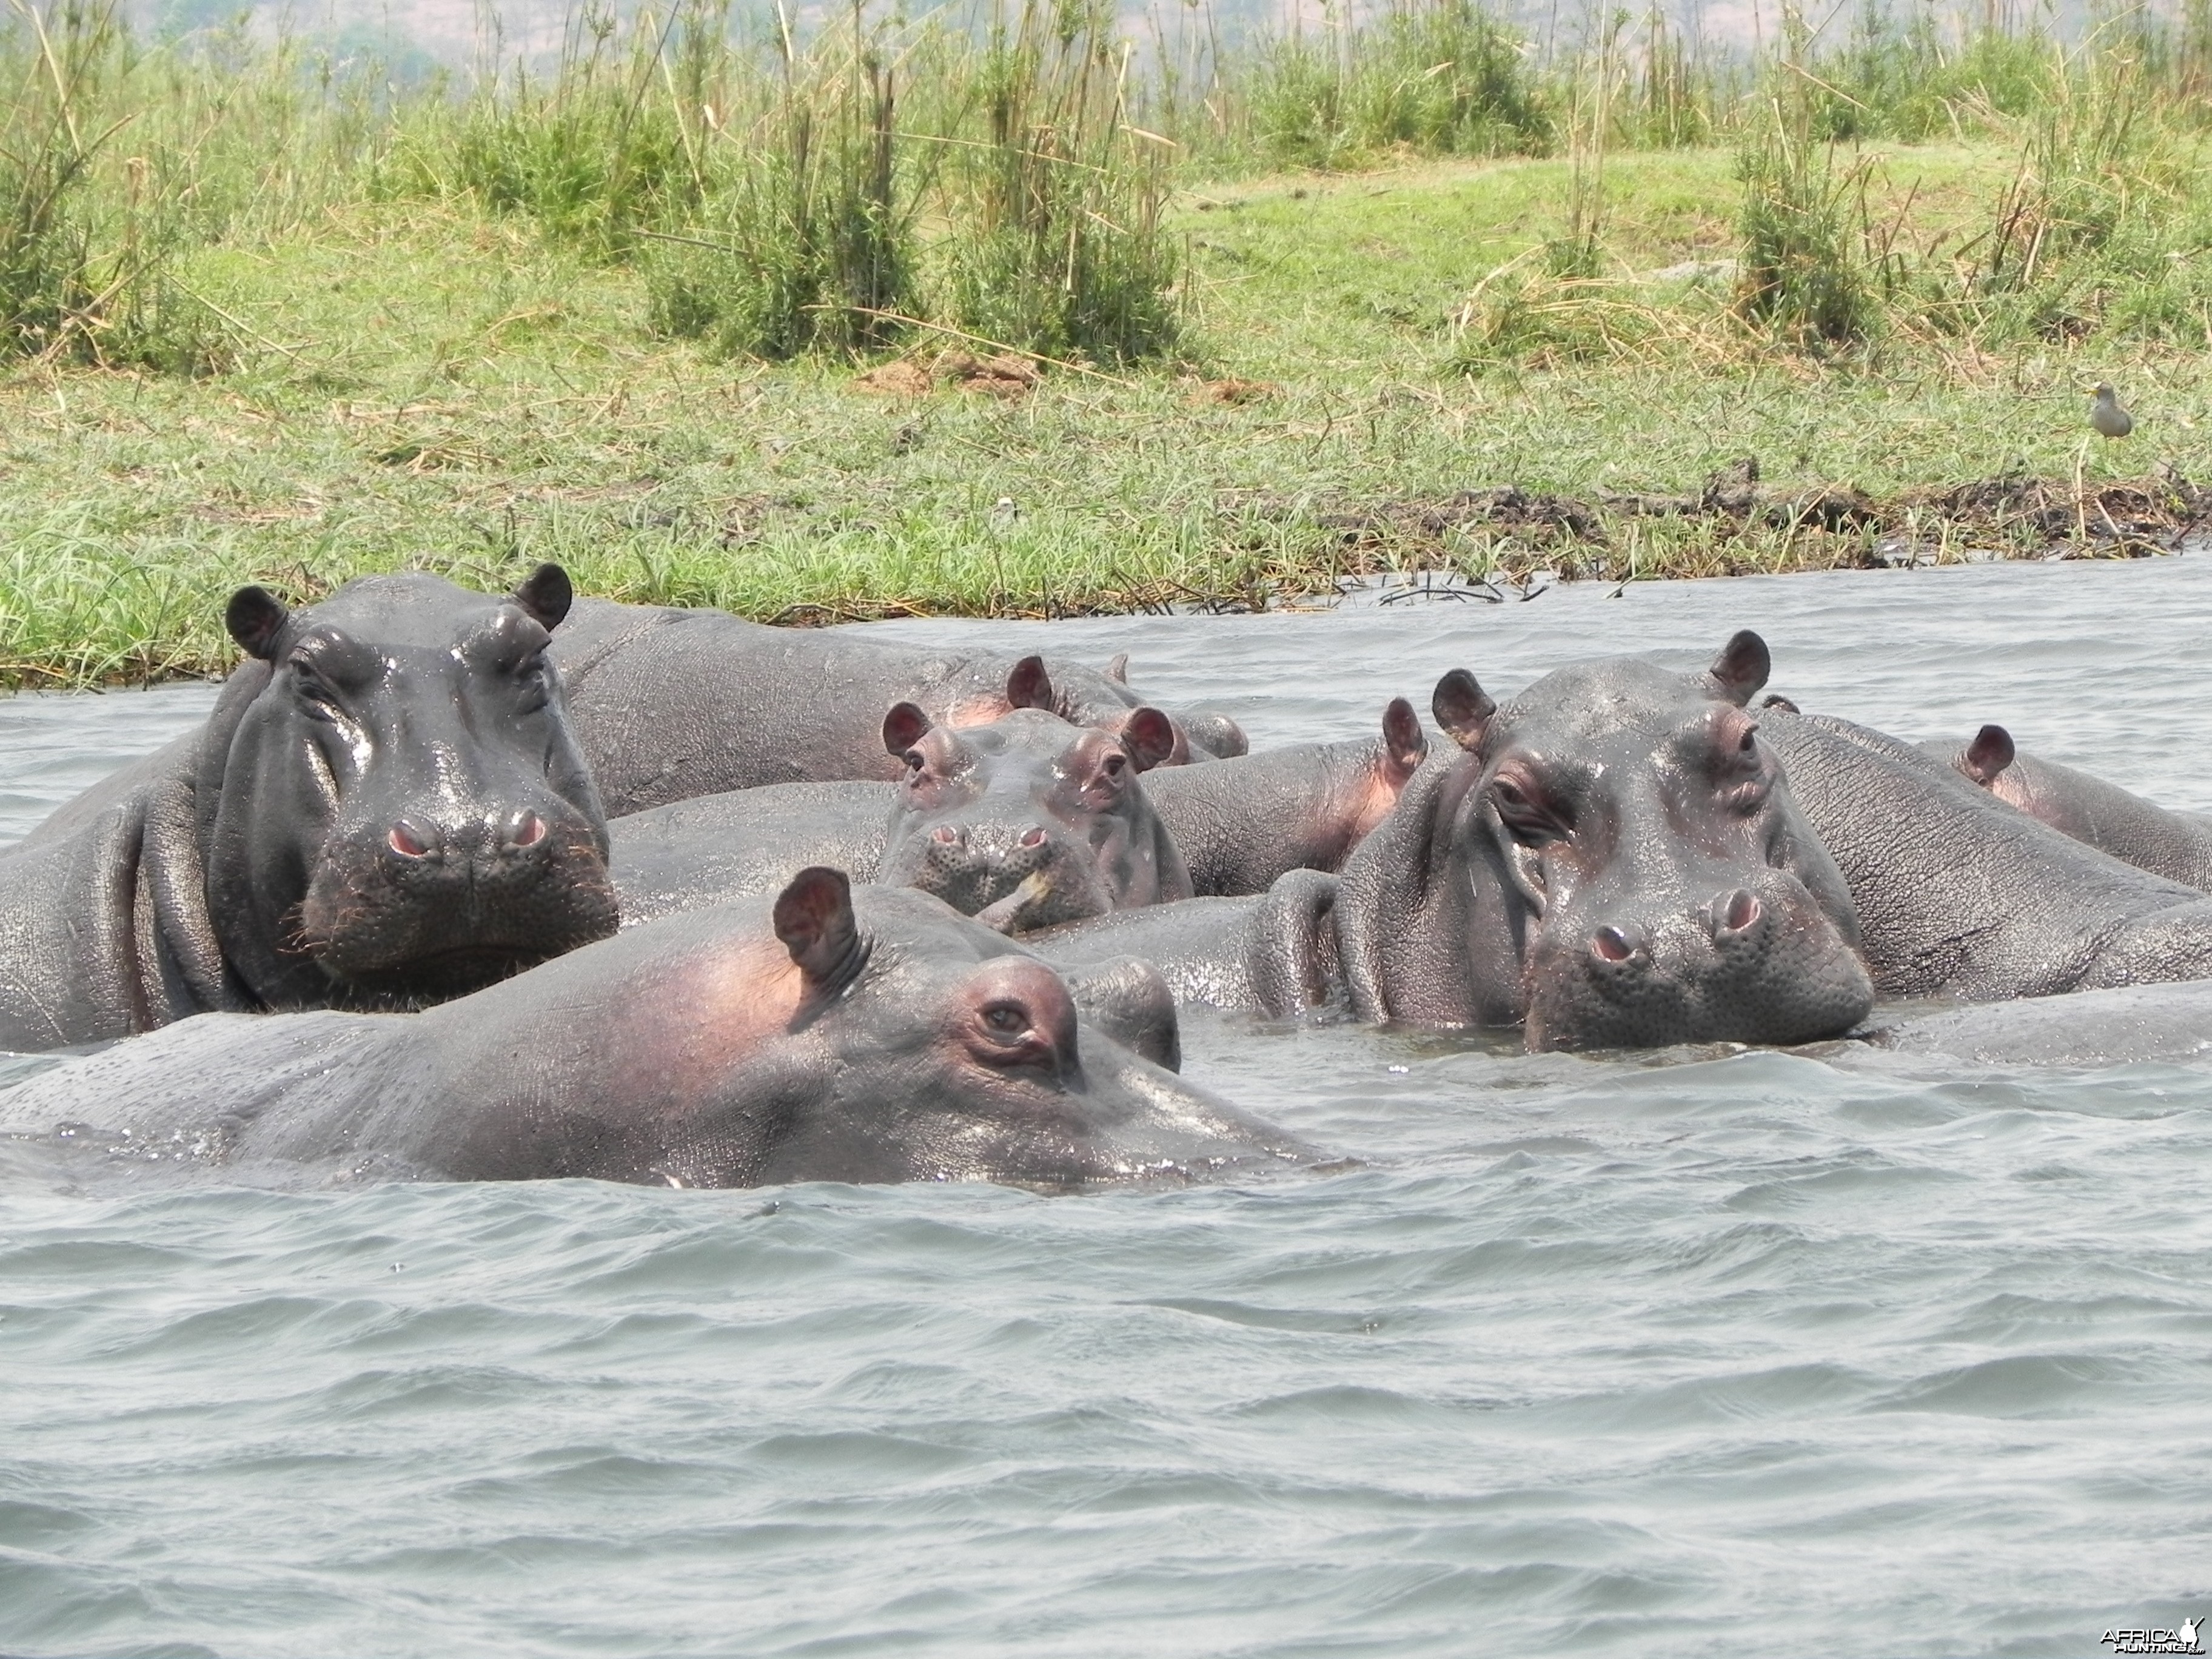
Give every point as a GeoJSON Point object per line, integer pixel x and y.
{"type": "Point", "coordinates": [1033, 836]}
{"type": "Point", "coordinates": [529, 830]}
{"type": "Point", "coordinates": [410, 839]}
{"type": "Point", "coordinates": [1611, 943]}
{"type": "Point", "coordinates": [1736, 914]}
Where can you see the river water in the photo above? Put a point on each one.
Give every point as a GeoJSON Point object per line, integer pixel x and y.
{"type": "Point", "coordinates": [1743, 1354]}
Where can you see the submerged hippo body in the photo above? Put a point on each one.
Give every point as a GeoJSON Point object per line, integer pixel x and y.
{"type": "Point", "coordinates": [386, 806]}
{"type": "Point", "coordinates": [1025, 822]}
{"type": "Point", "coordinates": [2173, 844]}
{"type": "Point", "coordinates": [1959, 893]}
{"type": "Point", "coordinates": [1613, 859]}
{"type": "Point", "coordinates": [671, 704]}
{"type": "Point", "coordinates": [827, 1035]}
{"type": "Point", "coordinates": [1244, 823]}
{"type": "Point", "coordinates": [2125, 1025]}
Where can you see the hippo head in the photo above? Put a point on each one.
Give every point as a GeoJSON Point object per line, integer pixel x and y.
{"type": "Point", "coordinates": [1030, 821]}
{"type": "Point", "coordinates": [868, 1034]}
{"type": "Point", "coordinates": [1640, 865]}
{"type": "Point", "coordinates": [1085, 697]}
{"type": "Point", "coordinates": [392, 806]}
{"type": "Point", "coordinates": [1201, 734]}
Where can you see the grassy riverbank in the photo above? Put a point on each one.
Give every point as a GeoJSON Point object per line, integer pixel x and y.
{"type": "Point", "coordinates": [338, 377]}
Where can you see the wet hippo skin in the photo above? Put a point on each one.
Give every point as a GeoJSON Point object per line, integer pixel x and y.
{"type": "Point", "coordinates": [1957, 893]}
{"type": "Point", "coordinates": [831, 1034]}
{"type": "Point", "coordinates": [671, 704]}
{"type": "Point", "coordinates": [1023, 823]}
{"type": "Point", "coordinates": [2175, 845]}
{"type": "Point", "coordinates": [386, 807]}
{"type": "Point", "coordinates": [1613, 858]}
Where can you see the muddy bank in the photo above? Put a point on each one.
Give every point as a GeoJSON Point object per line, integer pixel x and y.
{"type": "Point", "coordinates": [1736, 524]}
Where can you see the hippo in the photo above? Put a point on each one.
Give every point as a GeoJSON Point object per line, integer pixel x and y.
{"type": "Point", "coordinates": [1959, 894]}
{"type": "Point", "coordinates": [1022, 823]}
{"type": "Point", "coordinates": [386, 808]}
{"type": "Point", "coordinates": [2123, 1025]}
{"type": "Point", "coordinates": [828, 1034]}
{"type": "Point", "coordinates": [1613, 858]}
{"type": "Point", "coordinates": [1242, 823]}
{"type": "Point", "coordinates": [2175, 845]}
{"type": "Point", "coordinates": [671, 704]}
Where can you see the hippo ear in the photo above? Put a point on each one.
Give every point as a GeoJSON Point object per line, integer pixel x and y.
{"type": "Point", "coordinates": [1742, 667]}
{"type": "Point", "coordinates": [1463, 709]}
{"type": "Point", "coordinates": [1149, 736]}
{"type": "Point", "coordinates": [1029, 686]}
{"type": "Point", "coordinates": [814, 919]}
{"type": "Point", "coordinates": [546, 593]}
{"type": "Point", "coordinates": [1403, 737]}
{"type": "Point", "coordinates": [1986, 758]}
{"type": "Point", "coordinates": [255, 616]}
{"type": "Point", "coordinates": [1776, 700]}
{"type": "Point", "coordinates": [1118, 669]}
{"type": "Point", "coordinates": [903, 727]}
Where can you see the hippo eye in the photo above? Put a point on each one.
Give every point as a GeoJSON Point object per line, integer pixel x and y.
{"type": "Point", "coordinates": [1009, 1021]}
{"type": "Point", "coordinates": [321, 701]}
{"type": "Point", "coordinates": [1529, 821]}
{"type": "Point", "coordinates": [1116, 764]}
{"type": "Point", "coordinates": [533, 676]}
{"type": "Point", "coordinates": [913, 758]}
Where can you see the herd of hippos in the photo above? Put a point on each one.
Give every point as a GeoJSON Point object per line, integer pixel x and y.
{"type": "Point", "coordinates": [457, 887]}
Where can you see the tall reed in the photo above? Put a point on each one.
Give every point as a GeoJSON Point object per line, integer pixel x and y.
{"type": "Point", "coordinates": [1056, 244]}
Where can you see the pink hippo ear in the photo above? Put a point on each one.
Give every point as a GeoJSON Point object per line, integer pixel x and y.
{"type": "Point", "coordinates": [1984, 759]}
{"type": "Point", "coordinates": [1149, 736]}
{"type": "Point", "coordinates": [1742, 667]}
{"type": "Point", "coordinates": [255, 616]}
{"type": "Point", "coordinates": [1464, 709]}
{"type": "Point", "coordinates": [546, 593]}
{"type": "Point", "coordinates": [1029, 686]}
{"type": "Point", "coordinates": [814, 919]}
{"type": "Point", "coordinates": [903, 727]}
{"type": "Point", "coordinates": [1403, 737]}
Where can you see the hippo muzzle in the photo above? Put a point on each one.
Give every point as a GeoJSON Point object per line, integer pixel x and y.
{"type": "Point", "coordinates": [1760, 962]}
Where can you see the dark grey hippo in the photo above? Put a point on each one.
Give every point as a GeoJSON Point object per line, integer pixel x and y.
{"type": "Point", "coordinates": [1246, 821]}
{"type": "Point", "coordinates": [829, 1035]}
{"type": "Point", "coordinates": [2125, 1025]}
{"type": "Point", "coordinates": [2173, 844]}
{"type": "Point", "coordinates": [1959, 893]}
{"type": "Point", "coordinates": [1022, 823]}
{"type": "Point", "coordinates": [386, 806]}
{"type": "Point", "coordinates": [1613, 859]}
{"type": "Point", "coordinates": [671, 704]}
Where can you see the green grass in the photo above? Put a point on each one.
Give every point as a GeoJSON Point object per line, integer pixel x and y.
{"type": "Point", "coordinates": [426, 385]}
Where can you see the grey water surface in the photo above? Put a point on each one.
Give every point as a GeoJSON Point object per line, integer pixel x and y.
{"type": "Point", "coordinates": [1744, 1353]}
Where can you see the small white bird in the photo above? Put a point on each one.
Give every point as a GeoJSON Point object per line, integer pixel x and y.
{"type": "Point", "coordinates": [1004, 512]}
{"type": "Point", "coordinates": [2107, 414]}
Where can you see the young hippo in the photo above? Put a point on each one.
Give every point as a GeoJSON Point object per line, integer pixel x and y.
{"type": "Point", "coordinates": [829, 1035]}
{"type": "Point", "coordinates": [1613, 859]}
{"type": "Point", "coordinates": [2175, 845]}
{"type": "Point", "coordinates": [671, 704]}
{"type": "Point", "coordinates": [387, 806]}
{"type": "Point", "coordinates": [1244, 823]}
{"type": "Point", "coordinates": [1023, 823]}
